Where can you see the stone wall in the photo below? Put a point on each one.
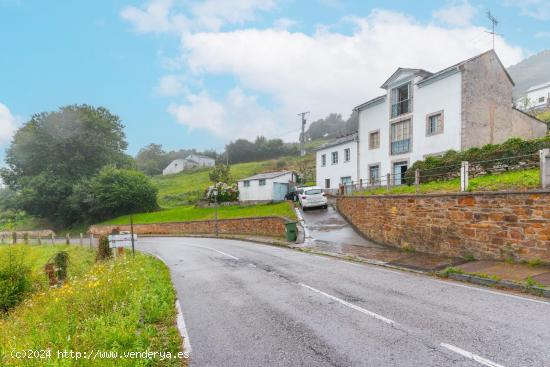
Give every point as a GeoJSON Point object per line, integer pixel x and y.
{"type": "Point", "coordinates": [487, 225]}
{"type": "Point", "coordinates": [264, 226]}
{"type": "Point", "coordinates": [487, 113]}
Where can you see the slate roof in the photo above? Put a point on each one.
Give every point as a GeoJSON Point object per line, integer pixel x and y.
{"type": "Point", "coordinates": [267, 175]}
{"type": "Point", "coordinates": [338, 141]}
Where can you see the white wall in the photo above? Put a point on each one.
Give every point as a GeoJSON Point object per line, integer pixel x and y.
{"type": "Point", "coordinates": [175, 166]}
{"type": "Point", "coordinates": [335, 172]}
{"type": "Point", "coordinates": [536, 94]}
{"type": "Point", "coordinates": [265, 193]}
{"type": "Point", "coordinates": [444, 94]}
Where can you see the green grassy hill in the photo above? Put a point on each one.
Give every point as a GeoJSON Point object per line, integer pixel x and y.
{"type": "Point", "coordinates": [186, 187]}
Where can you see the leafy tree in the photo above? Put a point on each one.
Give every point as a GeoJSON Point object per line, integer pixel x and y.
{"type": "Point", "coordinates": [113, 192]}
{"type": "Point", "coordinates": [53, 151]}
{"type": "Point", "coordinates": [152, 159]}
{"type": "Point", "coordinates": [221, 173]}
{"type": "Point", "coordinates": [242, 150]}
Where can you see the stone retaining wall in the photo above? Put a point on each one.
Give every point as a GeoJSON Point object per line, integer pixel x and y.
{"type": "Point", "coordinates": [492, 225]}
{"type": "Point", "coordinates": [261, 226]}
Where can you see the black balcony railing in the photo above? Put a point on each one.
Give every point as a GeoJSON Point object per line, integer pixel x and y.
{"type": "Point", "coordinates": [401, 107]}
{"type": "Point", "coordinates": [400, 146]}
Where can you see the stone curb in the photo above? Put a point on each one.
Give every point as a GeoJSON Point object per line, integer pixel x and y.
{"type": "Point", "coordinates": [487, 282]}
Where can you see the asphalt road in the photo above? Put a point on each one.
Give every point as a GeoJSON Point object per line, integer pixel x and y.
{"type": "Point", "coordinates": [256, 305]}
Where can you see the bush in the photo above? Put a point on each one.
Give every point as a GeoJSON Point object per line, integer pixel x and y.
{"type": "Point", "coordinates": [113, 192]}
{"type": "Point", "coordinates": [481, 159]}
{"type": "Point", "coordinates": [15, 281]}
{"type": "Point", "coordinates": [225, 192]}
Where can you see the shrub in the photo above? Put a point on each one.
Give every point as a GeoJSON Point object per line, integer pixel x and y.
{"type": "Point", "coordinates": [113, 192]}
{"type": "Point", "coordinates": [104, 252]}
{"type": "Point", "coordinates": [481, 159]}
{"type": "Point", "coordinates": [15, 281]}
{"type": "Point", "coordinates": [61, 262]}
{"type": "Point", "coordinates": [225, 192]}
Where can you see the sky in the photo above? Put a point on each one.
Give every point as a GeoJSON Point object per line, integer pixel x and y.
{"type": "Point", "coordinates": [198, 74]}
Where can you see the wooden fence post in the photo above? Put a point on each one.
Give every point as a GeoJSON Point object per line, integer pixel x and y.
{"type": "Point", "coordinates": [81, 239]}
{"type": "Point", "coordinates": [388, 181]}
{"type": "Point", "coordinates": [14, 237]}
{"type": "Point", "coordinates": [464, 176]}
{"type": "Point", "coordinates": [39, 239]}
{"type": "Point", "coordinates": [67, 239]}
{"type": "Point", "coordinates": [53, 239]}
{"type": "Point", "coordinates": [91, 241]}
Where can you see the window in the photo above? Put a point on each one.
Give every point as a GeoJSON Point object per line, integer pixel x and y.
{"type": "Point", "coordinates": [347, 155]}
{"type": "Point", "coordinates": [313, 192]}
{"type": "Point", "coordinates": [262, 182]}
{"type": "Point", "coordinates": [401, 101]}
{"type": "Point", "coordinates": [400, 137]}
{"type": "Point", "coordinates": [346, 181]}
{"type": "Point", "coordinates": [541, 99]}
{"type": "Point", "coordinates": [323, 160]}
{"type": "Point", "coordinates": [334, 157]}
{"type": "Point", "coordinates": [327, 183]}
{"type": "Point", "coordinates": [246, 183]}
{"type": "Point", "coordinates": [434, 123]}
{"type": "Point", "coordinates": [374, 174]}
{"type": "Point", "coordinates": [374, 140]}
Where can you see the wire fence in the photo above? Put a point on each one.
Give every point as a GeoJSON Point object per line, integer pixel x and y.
{"type": "Point", "coordinates": [455, 176]}
{"type": "Point", "coordinates": [30, 238]}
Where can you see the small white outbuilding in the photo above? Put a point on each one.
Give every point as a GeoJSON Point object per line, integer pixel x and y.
{"type": "Point", "coordinates": [272, 186]}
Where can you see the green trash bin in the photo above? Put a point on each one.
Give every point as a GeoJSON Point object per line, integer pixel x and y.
{"type": "Point", "coordinates": [291, 231]}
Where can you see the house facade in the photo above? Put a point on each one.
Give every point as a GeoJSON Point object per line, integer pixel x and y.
{"type": "Point", "coordinates": [191, 161]}
{"type": "Point", "coordinates": [422, 113]}
{"type": "Point", "coordinates": [266, 187]}
{"type": "Point", "coordinates": [536, 98]}
{"type": "Point", "coordinates": [337, 162]}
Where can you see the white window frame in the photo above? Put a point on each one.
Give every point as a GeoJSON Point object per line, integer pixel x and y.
{"type": "Point", "coordinates": [323, 160]}
{"type": "Point", "coordinates": [347, 154]}
{"type": "Point", "coordinates": [262, 182]}
{"type": "Point", "coordinates": [334, 157]}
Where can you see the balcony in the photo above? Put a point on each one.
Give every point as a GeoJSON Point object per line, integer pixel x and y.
{"type": "Point", "coordinates": [401, 107]}
{"type": "Point", "coordinates": [401, 146]}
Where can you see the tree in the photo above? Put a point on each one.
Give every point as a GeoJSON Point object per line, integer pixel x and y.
{"type": "Point", "coordinates": [113, 192]}
{"type": "Point", "coordinates": [53, 151]}
{"type": "Point", "coordinates": [152, 159]}
{"type": "Point", "coordinates": [220, 173]}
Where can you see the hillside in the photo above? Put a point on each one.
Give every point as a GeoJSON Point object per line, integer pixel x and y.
{"type": "Point", "coordinates": [531, 71]}
{"type": "Point", "coordinates": [186, 187]}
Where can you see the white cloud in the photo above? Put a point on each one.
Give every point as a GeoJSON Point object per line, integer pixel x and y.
{"type": "Point", "coordinates": [170, 85]}
{"type": "Point", "coordinates": [237, 115]}
{"type": "Point", "coordinates": [284, 24]}
{"type": "Point", "coordinates": [8, 124]}
{"type": "Point", "coordinates": [160, 16]}
{"type": "Point", "coordinates": [329, 71]}
{"type": "Point", "coordinates": [456, 13]}
{"type": "Point", "coordinates": [538, 9]}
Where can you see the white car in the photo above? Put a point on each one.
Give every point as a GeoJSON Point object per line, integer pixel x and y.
{"type": "Point", "coordinates": [312, 196]}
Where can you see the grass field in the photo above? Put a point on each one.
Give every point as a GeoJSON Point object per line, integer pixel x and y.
{"type": "Point", "coordinates": [516, 180]}
{"type": "Point", "coordinates": [186, 187]}
{"type": "Point", "coordinates": [114, 306]}
{"type": "Point", "coordinates": [189, 212]}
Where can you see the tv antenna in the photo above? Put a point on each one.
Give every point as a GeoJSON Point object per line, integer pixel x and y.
{"type": "Point", "coordinates": [494, 22]}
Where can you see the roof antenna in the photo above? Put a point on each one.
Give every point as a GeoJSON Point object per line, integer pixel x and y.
{"type": "Point", "coordinates": [494, 22]}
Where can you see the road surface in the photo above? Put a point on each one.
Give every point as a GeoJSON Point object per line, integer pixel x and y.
{"type": "Point", "coordinates": [256, 305]}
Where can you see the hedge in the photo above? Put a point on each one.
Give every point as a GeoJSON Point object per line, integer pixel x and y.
{"type": "Point", "coordinates": [512, 154]}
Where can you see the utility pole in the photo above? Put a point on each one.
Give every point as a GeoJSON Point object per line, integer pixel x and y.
{"type": "Point", "coordinates": [303, 135]}
{"type": "Point", "coordinates": [494, 22]}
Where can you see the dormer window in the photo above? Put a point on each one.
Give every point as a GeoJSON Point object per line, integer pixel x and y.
{"type": "Point", "coordinates": [401, 100]}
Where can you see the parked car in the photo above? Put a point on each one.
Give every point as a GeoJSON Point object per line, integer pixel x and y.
{"type": "Point", "coordinates": [312, 196]}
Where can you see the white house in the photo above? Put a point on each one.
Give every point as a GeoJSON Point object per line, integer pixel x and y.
{"type": "Point", "coordinates": [536, 97]}
{"type": "Point", "coordinates": [272, 186]}
{"type": "Point", "coordinates": [421, 113]}
{"type": "Point", "coordinates": [191, 161]}
{"type": "Point", "coordinates": [337, 162]}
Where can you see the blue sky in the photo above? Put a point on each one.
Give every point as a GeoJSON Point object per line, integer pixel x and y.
{"type": "Point", "coordinates": [196, 74]}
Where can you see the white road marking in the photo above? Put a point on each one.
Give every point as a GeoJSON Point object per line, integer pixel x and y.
{"type": "Point", "coordinates": [182, 328]}
{"type": "Point", "coordinates": [471, 356]}
{"type": "Point", "coordinates": [218, 251]}
{"type": "Point", "coordinates": [350, 305]}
